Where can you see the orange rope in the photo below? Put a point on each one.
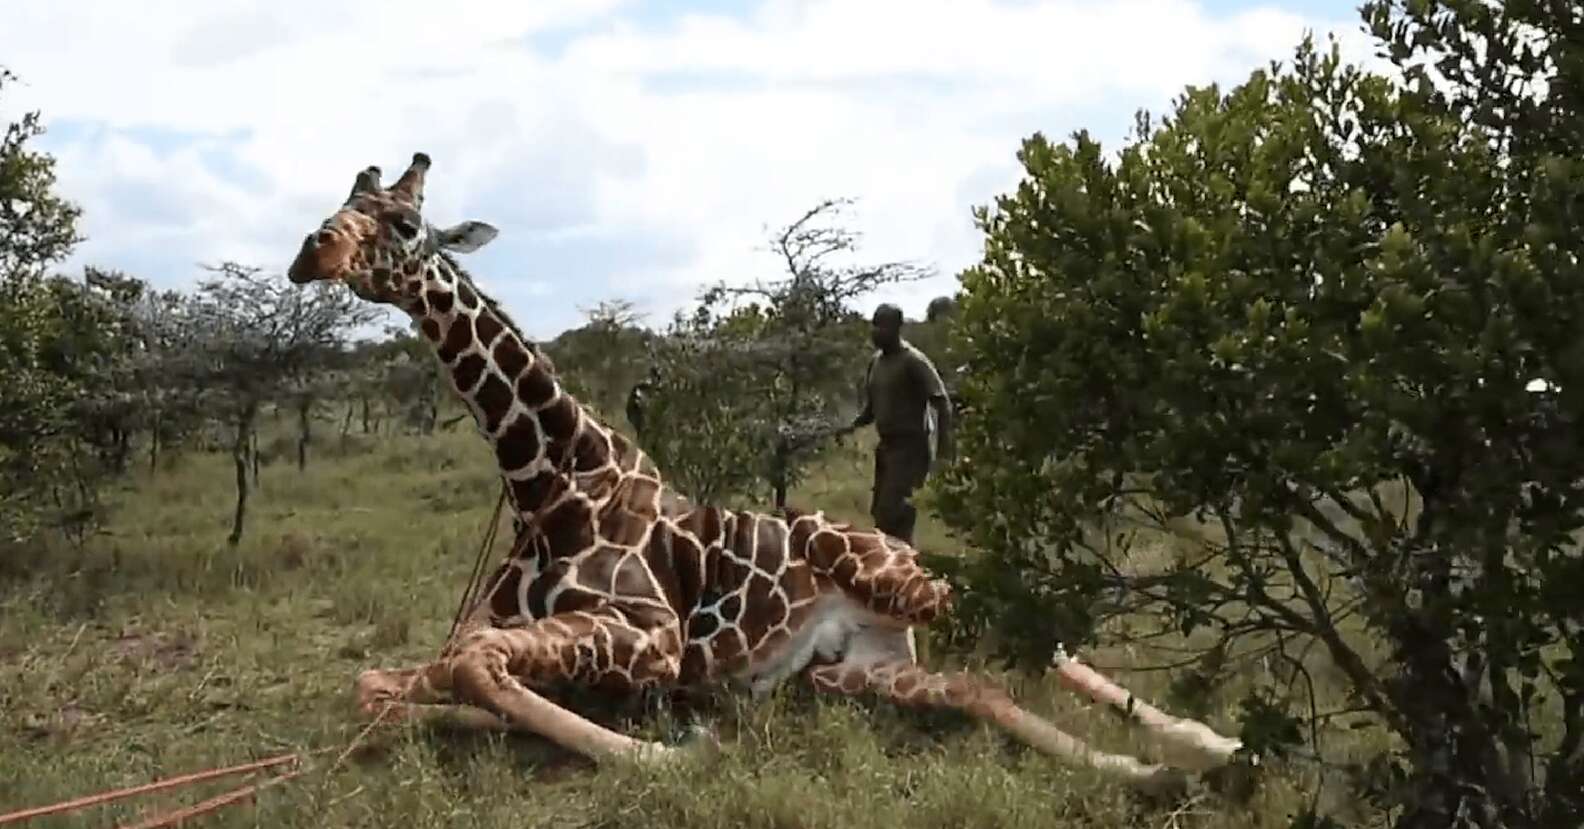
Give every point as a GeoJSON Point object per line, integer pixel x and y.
{"type": "Point", "coordinates": [468, 600]}
{"type": "Point", "coordinates": [215, 803]}
{"type": "Point", "coordinates": [158, 786]}
{"type": "Point", "coordinates": [247, 792]}
{"type": "Point", "coordinates": [471, 596]}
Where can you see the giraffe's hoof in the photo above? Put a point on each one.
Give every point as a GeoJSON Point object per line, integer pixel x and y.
{"type": "Point", "coordinates": [650, 753]}
{"type": "Point", "coordinates": [699, 741]}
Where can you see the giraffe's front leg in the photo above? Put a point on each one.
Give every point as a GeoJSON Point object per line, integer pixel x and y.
{"type": "Point", "coordinates": [493, 670]}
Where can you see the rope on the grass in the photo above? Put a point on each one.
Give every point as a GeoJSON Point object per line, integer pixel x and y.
{"type": "Point", "coordinates": [241, 793]}
{"type": "Point", "coordinates": [471, 596]}
{"type": "Point", "coordinates": [213, 804]}
{"type": "Point", "coordinates": [146, 788]}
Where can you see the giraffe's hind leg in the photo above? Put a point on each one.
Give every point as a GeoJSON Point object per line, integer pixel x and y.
{"type": "Point", "coordinates": [1184, 743]}
{"type": "Point", "coordinates": [492, 671]}
{"type": "Point", "coordinates": [878, 662]}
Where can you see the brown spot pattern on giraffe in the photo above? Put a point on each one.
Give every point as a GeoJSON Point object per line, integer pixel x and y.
{"type": "Point", "coordinates": [457, 338]}
{"type": "Point", "coordinates": [467, 372]}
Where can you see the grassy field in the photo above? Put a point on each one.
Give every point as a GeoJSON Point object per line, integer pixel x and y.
{"type": "Point", "coordinates": [158, 650]}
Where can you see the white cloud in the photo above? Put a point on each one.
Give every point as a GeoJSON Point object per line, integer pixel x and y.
{"type": "Point", "coordinates": [194, 132]}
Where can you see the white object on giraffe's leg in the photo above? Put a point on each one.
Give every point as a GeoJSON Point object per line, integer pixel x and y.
{"type": "Point", "coordinates": [1183, 743]}
{"type": "Point", "coordinates": [879, 661]}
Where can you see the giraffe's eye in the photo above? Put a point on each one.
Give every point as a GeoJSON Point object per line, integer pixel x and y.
{"type": "Point", "coordinates": [404, 227]}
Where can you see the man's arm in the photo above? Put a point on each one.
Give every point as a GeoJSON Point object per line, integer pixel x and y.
{"type": "Point", "coordinates": [945, 449]}
{"type": "Point", "coordinates": [866, 416]}
{"type": "Point", "coordinates": [940, 402]}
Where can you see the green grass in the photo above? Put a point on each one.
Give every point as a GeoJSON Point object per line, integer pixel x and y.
{"type": "Point", "coordinates": [158, 650]}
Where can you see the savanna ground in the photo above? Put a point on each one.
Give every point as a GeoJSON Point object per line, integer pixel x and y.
{"type": "Point", "coordinates": [157, 650]}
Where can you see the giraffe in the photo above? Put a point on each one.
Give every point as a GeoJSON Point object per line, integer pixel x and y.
{"type": "Point", "coordinates": [621, 582]}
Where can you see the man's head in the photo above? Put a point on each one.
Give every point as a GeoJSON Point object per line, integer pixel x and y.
{"type": "Point", "coordinates": [886, 327]}
{"type": "Point", "coordinates": [378, 242]}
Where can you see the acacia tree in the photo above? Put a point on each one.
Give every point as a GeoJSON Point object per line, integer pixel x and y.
{"type": "Point", "coordinates": [311, 384]}
{"type": "Point", "coordinates": [702, 413]}
{"type": "Point", "coordinates": [603, 358]}
{"type": "Point", "coordinates": [773, 363]}
{"type": "Point", "coordinates": [163, 372]}
{"type": "Point", "coordinates": [113, 340]}
{"type": "Point", "coordinates": [1291, 331]}
{"type": "Point", "coordinates": [258, 332]}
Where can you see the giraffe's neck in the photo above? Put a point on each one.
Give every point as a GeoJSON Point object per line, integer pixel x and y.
{"type": "Point", "coordinates": [547, 445]}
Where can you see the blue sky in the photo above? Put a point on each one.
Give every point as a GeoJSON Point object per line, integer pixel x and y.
{"type": "Point", "coordinates": [625, 149]}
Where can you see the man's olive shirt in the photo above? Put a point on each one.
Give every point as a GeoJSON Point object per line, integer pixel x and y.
{"type": "Point", "coordinates": [898, 389]}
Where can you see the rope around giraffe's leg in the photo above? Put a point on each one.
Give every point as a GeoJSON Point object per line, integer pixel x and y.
{"type": "Point", "coordinates": [358, 740]}
{"type": "Point", "coordinates": [464, 605]}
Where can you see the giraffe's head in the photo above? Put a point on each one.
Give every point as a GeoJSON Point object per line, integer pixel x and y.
{"type": "Point", "coordinates": [378, 242]}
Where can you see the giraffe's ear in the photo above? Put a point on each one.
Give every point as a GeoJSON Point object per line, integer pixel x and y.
{"type": "Point", "coordinates": [467, 237]}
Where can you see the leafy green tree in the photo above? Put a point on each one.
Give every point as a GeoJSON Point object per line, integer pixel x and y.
{"type": "Point", "coordinates": [37, 228]}
{"type": "Point", "coordinates": [1265, 378]}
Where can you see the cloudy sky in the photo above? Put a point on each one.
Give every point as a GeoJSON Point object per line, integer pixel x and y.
{"type": "Point", "coordinates": [625, 148]}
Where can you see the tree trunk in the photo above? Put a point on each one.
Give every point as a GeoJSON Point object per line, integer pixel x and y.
{"type": "Point", "coordinates": [1458, 776]}
{"type": "Point", "coordinates": [123, 448]}
{"type": "Point", "coordinates": [346, 422]}
{"type": "Point", "coordinates": [154, 442]}
{"type": "Point", "coordinates": [304, 431]}
{"type": "Point", "coordinates": [255, 457]}
{"type": "Point", "coordinates": [778, 473]}
{"type": "Point", "coordinates": [240, 452]}
{"type": "Point", "coordinates": [365, 415]}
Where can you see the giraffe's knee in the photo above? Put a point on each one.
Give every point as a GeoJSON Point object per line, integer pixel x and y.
{"type": "Point", "coordinates": [658, 667]}
{"type": "Point", "coordinates": [476, 677]}
{"type": "Point", "coordinates": [375, 689]}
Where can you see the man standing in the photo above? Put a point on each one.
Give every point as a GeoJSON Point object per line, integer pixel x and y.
{"type": "Point", "coordinates": [638, 401]}
{"type": "Point", "coordinates": [901, 389]}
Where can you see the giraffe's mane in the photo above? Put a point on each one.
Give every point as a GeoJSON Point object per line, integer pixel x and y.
{"type": "Point", "coordinates": [495, 308]}
{"type": "Point", "coordinates": [490, 302]}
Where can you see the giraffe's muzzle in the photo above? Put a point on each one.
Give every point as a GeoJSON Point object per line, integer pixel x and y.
{"type": "Point", "coordinates": [304, 268]}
